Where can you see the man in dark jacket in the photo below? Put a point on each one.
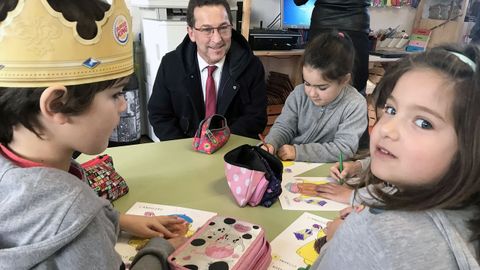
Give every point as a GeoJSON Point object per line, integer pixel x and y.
{"type": "Point", "coordinates": [182, 95]}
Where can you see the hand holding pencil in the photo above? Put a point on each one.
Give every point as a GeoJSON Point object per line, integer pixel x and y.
{"type": "Point", "coordinates": [265, 146]}
{"type": "Point", "coordinates": [350, 169]}
{"type": "Point", "coordinates": [340, 168]}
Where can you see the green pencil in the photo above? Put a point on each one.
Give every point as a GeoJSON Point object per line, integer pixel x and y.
{"type": "Point", "coordinates": [340, 167]}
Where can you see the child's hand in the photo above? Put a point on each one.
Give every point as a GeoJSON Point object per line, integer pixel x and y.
{"type": "Point", "coordinates": [269, 148]}
{"type": "Point", "coordinates": [350, 169]}
{"type": "Point", "coordinates": [345, 212]}
{"type": "Point", "coordinates": [176, 242]}
{"type": "Point", "coordinates": [334, 192]}
{"type": "Point", "coordinates": [332, 227]}
{"type": "Point", "coordinates": [287, 152]}
{"type": "Point", "coordinates": [148, 227]}
{"type": "Point", "coordinates": [178, 228]}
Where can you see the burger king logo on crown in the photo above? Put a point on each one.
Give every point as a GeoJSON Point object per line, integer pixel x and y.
{"type": "Point", "coordinates": [120, 29]}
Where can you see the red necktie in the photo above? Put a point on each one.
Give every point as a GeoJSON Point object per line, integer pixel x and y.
{"type": "Point", "coordinates": [211, 93]}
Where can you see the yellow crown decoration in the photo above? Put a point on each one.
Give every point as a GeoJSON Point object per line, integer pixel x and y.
{"type": "Point", "coordinates": [40, 48]}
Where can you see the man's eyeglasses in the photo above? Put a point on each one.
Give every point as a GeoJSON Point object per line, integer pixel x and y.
{"type": "Point", "coordinates": [223, 30]}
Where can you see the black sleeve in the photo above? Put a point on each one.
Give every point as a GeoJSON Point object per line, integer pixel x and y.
{"type": "Point", "coordinates": [160, 111]}
{"type": "Point", "coordinates": [254, 117]}
{"type": "Point", "coordinates": [300, 2]}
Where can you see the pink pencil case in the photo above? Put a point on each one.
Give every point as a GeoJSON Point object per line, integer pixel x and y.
{"type": "Point", "coordinates": [224, 243]}
{"type": "Point", "coordinates": [247, 186]}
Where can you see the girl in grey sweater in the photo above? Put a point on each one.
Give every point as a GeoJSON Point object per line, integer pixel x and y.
{"type": "Point", "coordinates": [426, 145]}
{"type": "Point", "coordinates": [324, 116]}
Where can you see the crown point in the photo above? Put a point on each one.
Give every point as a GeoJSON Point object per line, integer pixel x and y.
{"type": "Point", "coordinates": [49, 50]}
{"type": "Point", "coordinates": [91, 63]}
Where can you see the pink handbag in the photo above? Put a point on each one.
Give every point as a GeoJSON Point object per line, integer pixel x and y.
{"type": "Point", "coordinates": [253, 175]}
{"type": "Point", "coordinates": [224, 243]}
{"type": "Point", "coordinates": [247, 186]}
{"type": "Point", "coordinates": [212, 134]}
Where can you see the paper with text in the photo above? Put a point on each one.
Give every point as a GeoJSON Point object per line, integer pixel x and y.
{"type": "Point", "coordinates": [127, 244]}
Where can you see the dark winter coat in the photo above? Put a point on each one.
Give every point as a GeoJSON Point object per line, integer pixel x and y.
{"type": "Point", "coordinates": [177, 106]}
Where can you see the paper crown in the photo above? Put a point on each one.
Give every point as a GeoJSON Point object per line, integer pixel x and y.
{"type": "Point", "coordinates": [40, 48]}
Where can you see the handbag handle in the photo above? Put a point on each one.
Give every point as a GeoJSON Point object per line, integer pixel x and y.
{"type": "Point", "coordinates": [199, 129]}
{"type": "Point", "coordinates": [95, 161]}
{"type": "Point", "coordinates": [209, 121]}
{"type": "Point", "coordinates": [213, 120]}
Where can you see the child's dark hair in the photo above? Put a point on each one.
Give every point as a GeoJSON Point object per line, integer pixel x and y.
{"type": "Point", "coordinates": [5, 7]}
{"type": "Point", "coordinates": [332, 53]}
{"type": "Point", "coordinates": [84, 12]}
{"type": "Point", "coordinates": [21, 105]}
{"type": "Point", "coordinates": [192, 4]}
{"type": "Point", "coordinates": [460, 186]}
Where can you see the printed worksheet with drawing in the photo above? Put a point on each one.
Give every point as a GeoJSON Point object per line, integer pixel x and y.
{"type": "Point", "coordinates": [298, 179]}
{"type": "Point", "coordinates": [293, 248]}
{"type": "Point", "coordinates": [127, 244]}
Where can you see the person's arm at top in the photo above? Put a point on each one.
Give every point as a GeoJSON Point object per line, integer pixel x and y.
{"type": "Point", "coordinates": [253, 119]}
{"type": "Point", "coordinates": [346, 137]}
{"type": "Point", "coordinates": [358, 245]}
{"type": "Point", "coordinates": [300, 2]}
{"type": "Point", "coordinates": [160, 111]}
{"type": "Point", "coordinates": [390, 239]}
{"type": "Point", "coordinates": [285, 127]}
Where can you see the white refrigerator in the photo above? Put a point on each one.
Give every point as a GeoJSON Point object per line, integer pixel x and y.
{"type": "Point", "coordinates": [159, 37]}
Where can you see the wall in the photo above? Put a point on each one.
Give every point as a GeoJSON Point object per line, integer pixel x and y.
{"type": "Point", "coordinates": [137, 17]}
{"type": "Point", "coordinates": [392, 17]}
{"type": "Point", "coordinates": [266, 10]}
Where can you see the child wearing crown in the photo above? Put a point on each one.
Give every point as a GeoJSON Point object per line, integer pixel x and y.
{"type": "Point", "coordinates": [63, 65]}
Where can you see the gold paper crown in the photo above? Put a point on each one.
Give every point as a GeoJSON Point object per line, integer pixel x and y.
{"type": "Point", "coordinates": [40, 48]}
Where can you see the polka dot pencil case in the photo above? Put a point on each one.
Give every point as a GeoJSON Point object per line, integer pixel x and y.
{"type": "Point", "coordinates": [224, 243]}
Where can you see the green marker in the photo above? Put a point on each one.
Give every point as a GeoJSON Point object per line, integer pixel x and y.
{"type": "Point", "coordinates": [340, 167]}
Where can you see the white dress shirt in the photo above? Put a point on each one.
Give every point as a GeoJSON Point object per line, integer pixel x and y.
{"type": "Point", "coordinates": [217, 74]}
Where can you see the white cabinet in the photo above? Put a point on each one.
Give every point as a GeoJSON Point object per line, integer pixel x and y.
{"type": "Point", "coordinates": [160, 3]}
{"type": "Point", "coordinates": [159, 38]}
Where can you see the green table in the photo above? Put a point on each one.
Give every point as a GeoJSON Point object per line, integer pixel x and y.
{"type": "Point", "coordinates": [172, 173]}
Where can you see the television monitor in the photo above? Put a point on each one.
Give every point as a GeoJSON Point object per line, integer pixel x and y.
{"type": "Point", "coordinates": [296, 17]}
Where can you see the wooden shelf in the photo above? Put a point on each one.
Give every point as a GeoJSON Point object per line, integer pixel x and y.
{"type": "Point", "coordinates": [444, 31]}
{"type": "Point", "coordinates": [296, 52]}
{"type": "Point", "coordinates": [246, 9]}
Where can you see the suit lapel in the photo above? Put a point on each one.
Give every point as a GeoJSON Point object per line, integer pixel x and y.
{"type": "Point", "coordinates": [193, 88]}
{"type": "Point", "coordinates": [227, 90]}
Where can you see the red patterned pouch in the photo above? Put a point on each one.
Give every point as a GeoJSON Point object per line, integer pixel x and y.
{"type": "Point", "coordinates": [212, 134]}
{"type": "Point", "coordinates": [103, 178]}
